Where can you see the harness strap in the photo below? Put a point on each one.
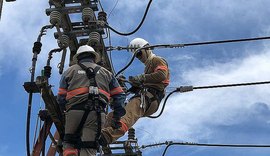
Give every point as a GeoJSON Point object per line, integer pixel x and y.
{"type": "Point", "coordinates": [159, 95]}
{"type": "Point", "coordinates": [89, 144]}
{"type": "Point", "coordinates": [98, 126]}
{"type": "Point", "coordinates": [91, 105]}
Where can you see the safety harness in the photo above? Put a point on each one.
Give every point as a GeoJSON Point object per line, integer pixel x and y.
{"type": "Point", "coordinates": [146, 99]}
{"type": "Point", "coordinates": [93, 104]}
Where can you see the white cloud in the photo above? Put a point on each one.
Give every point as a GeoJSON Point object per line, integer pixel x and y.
{"type": "Point", "coordinates": [187, 115]}
{"type": "Point", "coordinates": [19, 29]}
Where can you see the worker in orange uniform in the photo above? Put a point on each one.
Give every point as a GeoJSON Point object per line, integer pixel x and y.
{"type": "Point", "coordinates": [146, 100]}
{"type": "Point", "coordinates": [85, 90]}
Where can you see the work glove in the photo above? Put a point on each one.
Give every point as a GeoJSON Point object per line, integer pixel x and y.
{"type": "Point", "coordinates": [116, 124]}
{"type": "Point", "coordinates": [134, 89]}
{"type": "Point", "coordinates": [137, 80]}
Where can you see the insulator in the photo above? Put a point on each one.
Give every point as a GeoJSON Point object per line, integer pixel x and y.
{"type": "Point", "coordinates": [47, 71]}
{"type": "Point", "coordinates": [102, 16]}
{"type": "Point", "coordinates": [55, 18]}
{"type": "Point", "coordinates": [37, 47]}
{"type": "Point", "coordinates": [131, 134]}
{"type": "Point", "coordinates": [63, 41]}
{"type": "Point", "coordinates": [94, 38]}
{"type": "Point", "coordinates": [88, 14]}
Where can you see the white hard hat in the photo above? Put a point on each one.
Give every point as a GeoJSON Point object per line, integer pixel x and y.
{"type": "Point", "coordinates": [137, 43]}
{"type": "Point", "coordinates": [86, 49]}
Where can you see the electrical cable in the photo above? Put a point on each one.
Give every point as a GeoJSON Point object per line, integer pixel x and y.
{"type": "Point", "coordinates": [113, 8]}
{"type": "Point", "coordinates": [183, 45]}
{"type": "Point", "coordinates": [232, 85]}
{"type": "Point", "coordinates": [37, 122]}
{"type": "Point", "coordinates": [138, 27]}
{"type": "Point", "coordinates": [100, 5]}
{"type": "Point", "coordinates": [110, 43]}
{"type": "Point", "coordinates": [153, 145]}
{"type": "Point", "coordinates": [163, 106]}
{"type": "Point", "coordinates": [36, 51]}
{"type": "Point", "coordinates": [129, 63]}
{"type": "Point", "coordinates": [213, 145]}
{"type": "Point", "coordinates": [183, 89]}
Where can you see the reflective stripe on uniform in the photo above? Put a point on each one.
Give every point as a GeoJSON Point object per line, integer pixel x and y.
{"type": "Point", "coordinates": [77, 91]}
{"type": "Point", "coordinates": [104, 93]}
{"type": "Point", "coordinates": [167, 81]}
{"type": "Point", "coordinates": [84, 90]}
{"type": "Point", "coordinates": [116, 90]}
{"type": "Point", "coordinates": [124, 127]}
{"type": "Point", "coordinates": [70, 152]}
{"type": "Point", "coordinates": [62, 91]}
{"type": "Point", "coordinates": [161, 68]}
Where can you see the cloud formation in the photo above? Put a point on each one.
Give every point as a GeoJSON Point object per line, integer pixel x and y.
{"type": "Point", "coordinates": [198, 115]}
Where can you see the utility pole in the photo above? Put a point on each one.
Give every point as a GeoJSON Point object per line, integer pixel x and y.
{"type": "Point", "coordinates": [1, 5]}
{"type": "Point", "coordinates": [70, 34]}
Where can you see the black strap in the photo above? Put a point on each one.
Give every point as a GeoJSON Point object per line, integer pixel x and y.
{"type": "Point", "coordinates": [72, 138]}
{"type": "Point", "coordinates": [90, 72]}
{"type": "Point", "coordinates": [91, 105]}
{"type": "Point", "coordinates": [89, 144]}
{"type": "Point", "coordinates": [159, 95]}
{"type": "Point", "coordinates": [75, 139]}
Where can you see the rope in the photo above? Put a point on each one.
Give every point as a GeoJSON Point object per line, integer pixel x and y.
{"type": "Point", "coordinates": [138, 27]}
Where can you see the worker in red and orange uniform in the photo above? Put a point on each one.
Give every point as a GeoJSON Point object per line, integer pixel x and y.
{"type": "Point", "coordinates": [149, 89]}
{"type": "Point", "coordinates": [84, 92]}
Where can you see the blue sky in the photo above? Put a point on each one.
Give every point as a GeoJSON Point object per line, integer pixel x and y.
{"type": "Point", "coordinates": [227, 116]}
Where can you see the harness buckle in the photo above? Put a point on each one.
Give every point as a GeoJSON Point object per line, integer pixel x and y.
{"type": "Point", "coordinates": [93, 90]}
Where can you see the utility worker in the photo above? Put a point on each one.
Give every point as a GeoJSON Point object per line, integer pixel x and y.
{"type": "Point", "coordinates": [146, 100]}
{"type": "Point", "coordinates": [85, 90]}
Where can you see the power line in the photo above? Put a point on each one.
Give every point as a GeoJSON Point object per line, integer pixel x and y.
{"type": "Point", "coordinates": [213, 145]}
{"type": "Point", "coordinates": [100, 5]}
{"type": "Point", "coordinates": [171, 143]}
{"type": "Point", "coordinates": [113, 8]}
{"type": "Point", "coordinates": [183, 89]}
{"type": "Point", "coordinates": [138, 27]}
{"type": "Point", "coordinates": [182, 46]}
{"type": "Point", "coordinates": [110, 43]}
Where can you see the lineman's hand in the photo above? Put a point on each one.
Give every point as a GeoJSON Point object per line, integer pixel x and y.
{"type": "Point", "coordinates": [136, 80]}
{"type": "Point", "coordinates": [116, 124]}
{"type": "Point", "coordinates": [134, 89]}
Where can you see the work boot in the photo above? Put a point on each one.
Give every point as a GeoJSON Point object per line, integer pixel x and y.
{"type": "Point", "coordinates": [102, 140]}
